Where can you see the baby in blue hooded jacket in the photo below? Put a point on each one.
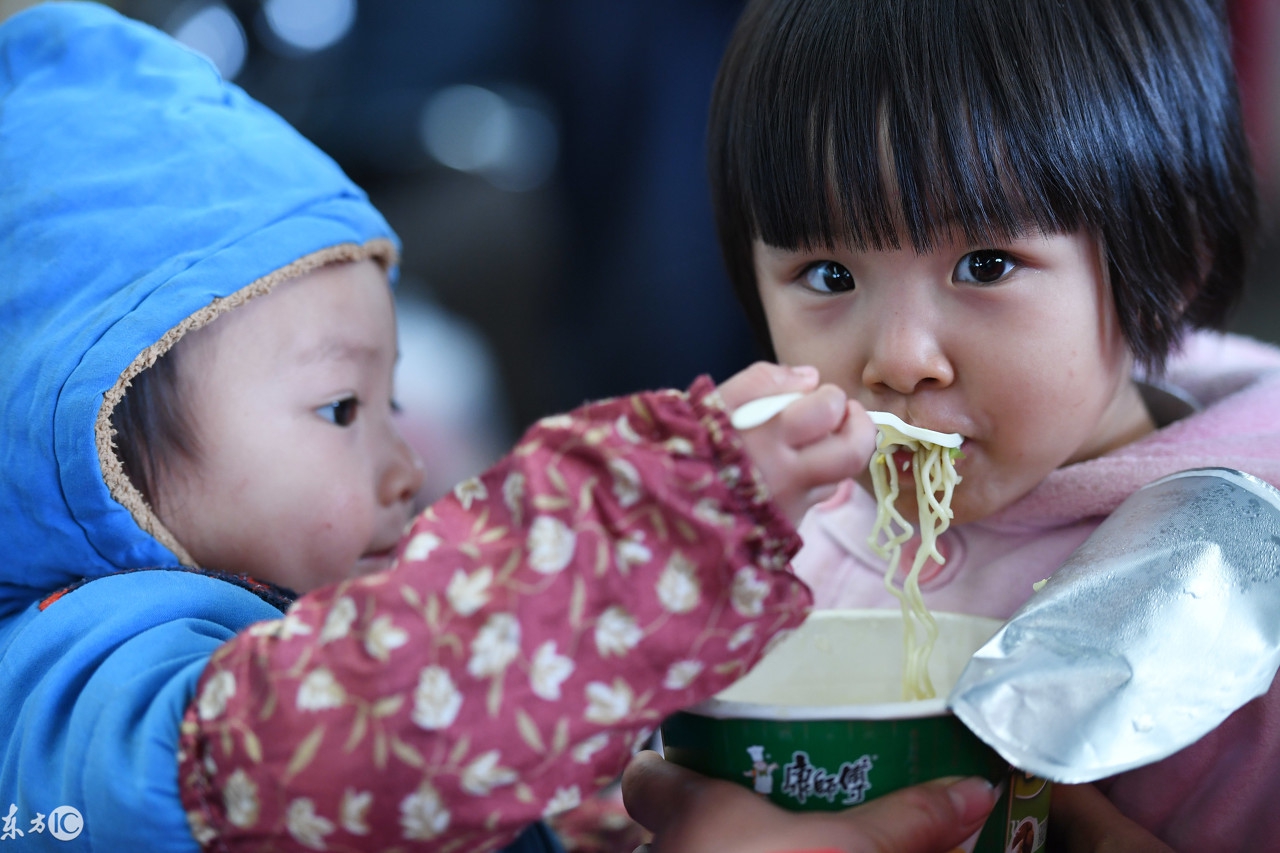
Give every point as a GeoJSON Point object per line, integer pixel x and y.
{"type": "Point", "coordinates": [198, 336]}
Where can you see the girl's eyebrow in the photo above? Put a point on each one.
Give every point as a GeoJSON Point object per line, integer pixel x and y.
{"type": "Point", "coordinates": [785, 251]}
{"type": "Point", "coordinates": [338, 349]}
{"type": "Point", "coordinates": [776, 256]}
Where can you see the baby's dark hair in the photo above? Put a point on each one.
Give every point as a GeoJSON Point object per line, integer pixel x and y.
{"type": "Point", "coordinates": [879, 122]}
{"type": "Point", "coordinates": [152, 428]}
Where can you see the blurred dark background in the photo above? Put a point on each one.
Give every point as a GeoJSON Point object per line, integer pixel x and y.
{"type": "Point", "coordinates": [542, 160]}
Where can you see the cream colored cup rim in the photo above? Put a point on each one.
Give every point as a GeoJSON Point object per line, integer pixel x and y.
{"type": "Point", "coordinates": [721, 709]}
{"type": "Point", "coordinates": [905, 710]}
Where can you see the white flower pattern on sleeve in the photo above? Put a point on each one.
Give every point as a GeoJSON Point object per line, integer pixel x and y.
{"type": "Point", "coordinates": [423, 815]}
{"type": "Point", "coordinates": [583, 752]}
{"type": "Point", "coordinates": [200, 828]}
{"type": "Point", "coordinates": [215, 694]}
{"type": "Point", "coordinates": [353, 813]}
{"type": "Point", "coordinates": [307, 827]}
{"type": "Point", "coordinates": [551, 545]}
{"type": "Point", "coordinates": [749, 592]}
{"type": "Point", "coordinates": [626, 482]}
{"type": "Point", "coordinates": [484, 774]}
{"type": "Point", "coordinates": [469, 491]}
{"type": "Point", "coordinates": [467, 593]}
{"type": "Point", "coordinates": [513, 490]}
{"type": "Point", "coordinates": [421, 546]}
{"type": "Point", "coordinates": [564, 800]}
{"type": "Point", "coordinates": [617, 632]}
{"type": "Point", "coordinates": [291, 626]}
{"type": "Point", "coordinates": [240, 796]}
{"type": "Point", "coordinates": [741, 637]}
{"type": "Point", "coordinates": [681, 674]}
{"type": "Point", "coordinates": [339, 621]}
{"type": "Point", "coordinates": [608, 703]}
{"type": "Point", "coordinates": [631, 551]}
{"type": "Point", "coordinates": [320, 691]}
{"type": "Point", "coordinates": [625, 430]}
{"type": "Point", "coordinates": [437, 700]}
{"type": "Point", "coordinates": [679, 446]}
{"type": "Point", "coordinates": [382, 637]}
{"type": "Point", "coordinates": [549, 671]}
{"type": "Point", "coordinates": [710, 512]}
{"type": "Point", "coordinates": [495, 646]}
{"type": "Point", "coordinates": [678, 588]}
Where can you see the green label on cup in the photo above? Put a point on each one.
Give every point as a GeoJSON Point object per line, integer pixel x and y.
{"type": "Point", "coordinates": [802, 779]}
{"type": "Point", "coordinates": [810, 765]}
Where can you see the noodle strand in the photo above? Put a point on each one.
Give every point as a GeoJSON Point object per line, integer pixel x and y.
{"type": "Point", "coordinates": [933, 468]}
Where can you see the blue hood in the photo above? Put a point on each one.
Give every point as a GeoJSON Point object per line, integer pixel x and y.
{"type": "Point", "coordinates": [138, 190]}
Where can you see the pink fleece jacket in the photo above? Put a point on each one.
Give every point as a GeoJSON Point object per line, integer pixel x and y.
{"type": "Point", "coordinates": [1217, 794]}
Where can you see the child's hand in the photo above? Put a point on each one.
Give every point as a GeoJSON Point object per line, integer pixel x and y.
{"type": "Point", "coordinates": [1083, 820]}
{"type": "Point", "coordinates": [812, 445]}
{"type": "Point", "coordinates": [689, 813]}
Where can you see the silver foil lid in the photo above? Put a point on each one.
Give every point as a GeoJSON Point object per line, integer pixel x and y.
{"type": "Point", "coordinates": [1158, 627]}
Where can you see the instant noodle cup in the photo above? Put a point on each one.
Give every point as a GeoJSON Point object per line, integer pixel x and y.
{"type": "Point", "coordinates": [820, 724]}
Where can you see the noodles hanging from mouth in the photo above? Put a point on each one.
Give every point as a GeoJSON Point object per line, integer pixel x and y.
{"type": "Point", "coordinates": [933, 467]}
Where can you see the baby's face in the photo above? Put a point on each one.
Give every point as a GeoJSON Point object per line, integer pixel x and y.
{"type": "Point", "coordinates": [1015, 346]}
{"type": "Point", "coordinates": [301, 477]}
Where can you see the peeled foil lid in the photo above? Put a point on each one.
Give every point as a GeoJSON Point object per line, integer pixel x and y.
{"type": "Point", "coordinates": [1157, 628]}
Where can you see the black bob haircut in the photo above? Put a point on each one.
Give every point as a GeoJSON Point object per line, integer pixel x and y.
{"type": "Point", "coordinates": [879, 122]}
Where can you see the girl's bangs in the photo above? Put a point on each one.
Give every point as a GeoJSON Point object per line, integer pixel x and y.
{"type": "Point", "coordinates": [936, 143]}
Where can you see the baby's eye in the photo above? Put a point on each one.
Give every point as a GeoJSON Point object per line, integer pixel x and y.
{"type": "Point", "coordinates": [985, 266]}
{"type": "Point", "coordinates": [340, 412]}
{"type": "Point", "coordinates": [828, 277]}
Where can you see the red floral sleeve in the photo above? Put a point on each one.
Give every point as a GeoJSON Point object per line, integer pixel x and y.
{"type": "Point", "coordinates": [624, 561]}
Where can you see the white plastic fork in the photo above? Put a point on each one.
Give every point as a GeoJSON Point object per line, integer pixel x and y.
{"type": "Point", "coordinates": [942, 439]}
{"type": "Point", "coordinates": [763, 409]}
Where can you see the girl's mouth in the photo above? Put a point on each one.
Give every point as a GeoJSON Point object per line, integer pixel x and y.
{"type": "Point", "coordinates": [903, 459]}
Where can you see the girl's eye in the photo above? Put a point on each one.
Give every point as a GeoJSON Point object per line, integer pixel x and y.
{"type": "Point", "coordinates": [985, 266]}
{"type": "Point", "coordinates": [828, 277]}
{"type": "Point", "coordinates": [340, 412]}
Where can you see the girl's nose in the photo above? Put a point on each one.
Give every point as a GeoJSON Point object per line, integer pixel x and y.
{"type": "Point", "coordinates": [907, 356]}
{"type": "Point", "coordinates": [403, 475]}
